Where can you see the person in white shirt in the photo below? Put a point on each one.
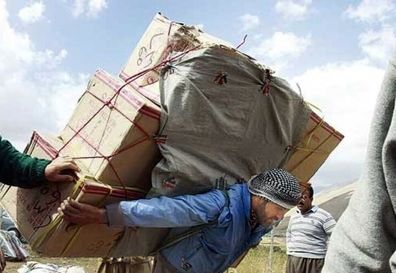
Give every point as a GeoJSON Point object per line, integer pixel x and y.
{"type": "Point", "coordinates": [307, 234]}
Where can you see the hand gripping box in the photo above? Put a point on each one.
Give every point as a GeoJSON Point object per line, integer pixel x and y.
{"type": "Point", "coordinates": [60, 238]}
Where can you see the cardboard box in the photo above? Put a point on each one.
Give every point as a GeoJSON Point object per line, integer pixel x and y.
{"type": "Point", "coordinates": [35, 210]}
{"type": "Point", "coordinates": [113, 135]}
{"type": "Point", "coordinates": [162, 38]}
{"type": "Point", "coordinates": [61, 238]}
{"type": "Point", "coordinates": [318, 141]}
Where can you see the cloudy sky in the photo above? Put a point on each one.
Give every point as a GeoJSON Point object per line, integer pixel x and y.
{"type": "Point", "coordinates": [336, 51]}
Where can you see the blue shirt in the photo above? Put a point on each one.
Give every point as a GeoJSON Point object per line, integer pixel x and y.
{"type": "Point", "coordinates": [215, 247]}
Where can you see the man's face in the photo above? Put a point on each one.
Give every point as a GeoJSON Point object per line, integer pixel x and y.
{"type": "Point", "coordinates": [269, 213]}
{"type": "Point", "coordinates": [305, 203]}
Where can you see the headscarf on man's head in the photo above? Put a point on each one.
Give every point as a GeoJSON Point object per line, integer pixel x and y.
{"type": "Point", "coordinates": [276, 185]}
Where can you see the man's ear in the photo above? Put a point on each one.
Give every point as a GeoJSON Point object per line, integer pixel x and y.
{"type": "Point", "coordinates": [257, 201]}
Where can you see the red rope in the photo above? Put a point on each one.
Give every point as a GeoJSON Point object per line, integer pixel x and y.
{"type": "Point", "coordinates": [267, 82]}
{"type": "Point", "coordinates": [101, 156]}
{"type": "Point", "coordinates": [114, 154]}
{"type": "Point", "coordinates": [141, 73]}
{"type": "Point", "coordinates": [113, 107]}
{"type": "Point", "coordinates": [130, 146]}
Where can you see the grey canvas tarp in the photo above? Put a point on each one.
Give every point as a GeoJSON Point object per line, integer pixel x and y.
{"type": "Point", "coordinates": [219, 120]}
{"type": "Point", "coordinates": [215, 126]}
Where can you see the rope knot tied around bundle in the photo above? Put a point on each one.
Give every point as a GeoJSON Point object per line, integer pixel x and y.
{"type": "Point", "coordinates": [221, 78]}
{"type": "Point", "coordinates": [109, 104]}
{"type": "Point", "coordinates": [267, 81]}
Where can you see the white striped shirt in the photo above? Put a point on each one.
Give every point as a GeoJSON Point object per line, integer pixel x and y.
{"type": "Point", "coordinates": [307, 233]}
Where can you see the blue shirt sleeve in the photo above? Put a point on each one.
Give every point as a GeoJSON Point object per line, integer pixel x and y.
{"type": "Point", "coordinates": [166, 212]}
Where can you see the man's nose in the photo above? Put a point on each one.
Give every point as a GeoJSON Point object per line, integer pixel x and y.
{"type": "Point", "coordinates": [280, 216]}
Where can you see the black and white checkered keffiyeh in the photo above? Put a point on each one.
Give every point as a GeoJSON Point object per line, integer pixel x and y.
{"type": "Point", "coordinates": [276, 185]}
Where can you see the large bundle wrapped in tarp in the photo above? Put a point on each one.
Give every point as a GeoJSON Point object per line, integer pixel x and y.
{"type": "Point", "coordinates": [224, 118]}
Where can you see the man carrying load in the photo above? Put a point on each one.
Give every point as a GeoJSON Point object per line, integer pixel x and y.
{"type": "Point", "coordinates": [225, 223]}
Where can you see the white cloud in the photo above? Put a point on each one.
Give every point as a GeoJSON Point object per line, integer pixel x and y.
{"type": "Point", "coordinates": [78, 7]}
{"type": "Point", "coordinates": [346, 94]}
{"type": "Point", "coordinates": [95, 7]}
{"type": "Point", "coordinates": [90, 8]}
{"type": "Point", "coordinates": [371, 10]}
{"type": "Point", "coordinates": [282, 47]}
{"type": "Point", "coordinates": [249, 21]}
{"type": "Point", "coordinates": [200, 26]}
{"type": "Point", "coordinates": [31, 82]}
{"type": "Point", "coordinates": [32, 13]}
{"type": "Point", "coordinates": [378, 44]}
{"type": "Point", "coordinates": [48, 59]}
{"type": "Point", "coordinates": [293, 9]}
{"type": "Point", "coordinates": [65, 88]}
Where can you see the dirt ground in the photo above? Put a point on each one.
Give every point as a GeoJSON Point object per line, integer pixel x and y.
{"type": "Point", "coordinates": [257, 261]}
{"type": "Point", "coordinates": [90, 265]}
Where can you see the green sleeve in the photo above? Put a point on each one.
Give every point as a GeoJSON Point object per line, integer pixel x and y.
{"type": "Point", "coordinates": [18, 169]}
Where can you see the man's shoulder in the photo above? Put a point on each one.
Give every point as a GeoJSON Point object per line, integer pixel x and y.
{"type": "Point", "coordinates": [323, 212]}
{"type": "Point", "coordinates": [238, 195]}
{"type": "Point", "coordinates": [237, 189]}
{"type": "Point", "coordinates": [294, 214]}
{"type": "Point", "coordinates": [238, 186]}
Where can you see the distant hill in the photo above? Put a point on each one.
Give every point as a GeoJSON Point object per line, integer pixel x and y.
{"type": "Point", "coordinates": [334, 200]}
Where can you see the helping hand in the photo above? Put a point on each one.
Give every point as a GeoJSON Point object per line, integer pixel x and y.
{"type": "Point", "coordinates": [61, 169]}
{"type": "Point", "coordinates": [79, 213]}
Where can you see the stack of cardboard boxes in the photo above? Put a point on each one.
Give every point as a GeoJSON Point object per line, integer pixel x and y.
{"type": "Point", "coordinates": [113, 135]}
